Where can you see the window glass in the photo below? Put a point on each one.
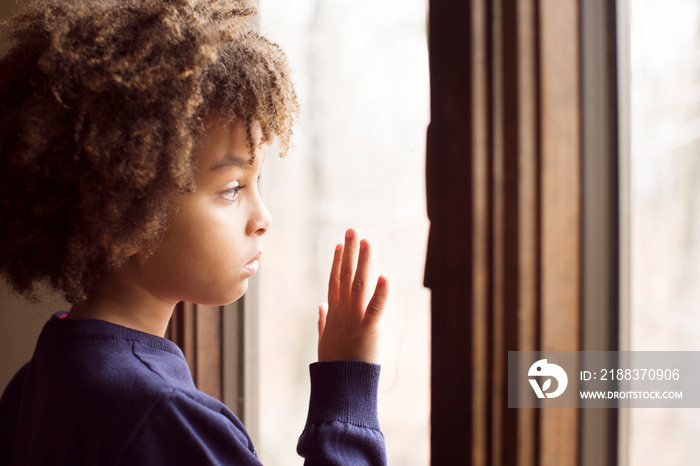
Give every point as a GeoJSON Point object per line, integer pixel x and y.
{"type": "Point", "coordinates": [361, 71]}
{"type": "Point", "coordinates": [665, 163]}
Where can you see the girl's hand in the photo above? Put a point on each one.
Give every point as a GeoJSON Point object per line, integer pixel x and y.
{"type": "Point", "coordinates": [347, 329]}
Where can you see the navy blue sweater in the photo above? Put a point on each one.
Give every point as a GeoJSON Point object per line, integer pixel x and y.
{"type": "Point", "coordinates": [99, 393]}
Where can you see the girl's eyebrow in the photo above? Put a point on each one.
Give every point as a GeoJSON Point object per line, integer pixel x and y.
{"type": "Point", "coordinates": [233, 160]}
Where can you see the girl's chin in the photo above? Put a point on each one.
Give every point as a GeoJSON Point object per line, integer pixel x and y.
{"type": "Point", "coordinates": [240, 291]}
{"type": "Point", "coordinates": [222, 299]}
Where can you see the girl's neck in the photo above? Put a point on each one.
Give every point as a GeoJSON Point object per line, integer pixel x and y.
{"type": "Point", "coordinates": [121, 301]}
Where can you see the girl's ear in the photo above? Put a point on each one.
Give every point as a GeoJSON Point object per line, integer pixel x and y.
{"type": "Point", "coordinates": [128, 250]}
{"type": "Point", "coordinates": [119, 249]}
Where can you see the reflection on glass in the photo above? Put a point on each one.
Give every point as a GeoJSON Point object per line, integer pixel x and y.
{"type": "Point", "coordinates": [361, 71]}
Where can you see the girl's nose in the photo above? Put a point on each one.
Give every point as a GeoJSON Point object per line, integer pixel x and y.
{"type": "Point", "coordinates": [260, 220]}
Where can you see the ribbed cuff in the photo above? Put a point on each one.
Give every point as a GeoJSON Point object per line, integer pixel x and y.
{"type": "Point", "coordinates": [344, 391]}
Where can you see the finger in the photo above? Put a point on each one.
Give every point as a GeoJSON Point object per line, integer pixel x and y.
{"type": "Point", "coordinates": [347, 267]}
{"type": "Point", "coordinates": [322, 313]}
{"type": "Point", "coordinates": [357, 300]}
{"type": "Point", "coordinates": [334, 281]}
{"type": "Point", "coordinates": [375, 308]}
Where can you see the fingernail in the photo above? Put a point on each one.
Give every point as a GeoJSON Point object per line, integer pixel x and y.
{"type": "Point", "coordinates": [349, 234]}
{"type": "Point", "coordinates": [363, 244]}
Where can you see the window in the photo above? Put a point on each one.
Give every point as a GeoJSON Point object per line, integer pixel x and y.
{"type": "Point", "coordinates": [665, 208]}
{"type": "Point", "coordinates": [362, 76]}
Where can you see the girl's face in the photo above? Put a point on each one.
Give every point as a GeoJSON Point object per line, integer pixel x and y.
{"type": "Point", "coordinates": [214, 240]}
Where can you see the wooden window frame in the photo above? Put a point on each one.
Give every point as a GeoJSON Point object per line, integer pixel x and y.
{"type": "Point", "coordinates": [523, 171]}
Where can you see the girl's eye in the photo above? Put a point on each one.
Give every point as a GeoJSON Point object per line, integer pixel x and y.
{"type": "Point", "coordinates": [232, 193]}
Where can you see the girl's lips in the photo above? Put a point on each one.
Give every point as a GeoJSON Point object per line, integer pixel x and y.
{"type": "Point", "coordinates": [253, 266]}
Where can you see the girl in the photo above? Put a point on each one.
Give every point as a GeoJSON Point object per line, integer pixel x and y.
{"type": "Point", "coordinates": [131, 141]}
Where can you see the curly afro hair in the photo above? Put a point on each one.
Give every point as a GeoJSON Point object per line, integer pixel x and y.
{"type": "Point", "coordinates": [103, 102]}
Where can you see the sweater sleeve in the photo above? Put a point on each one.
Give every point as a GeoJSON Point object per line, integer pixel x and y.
{"type": "Point", "coordinates": [342, 426]}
